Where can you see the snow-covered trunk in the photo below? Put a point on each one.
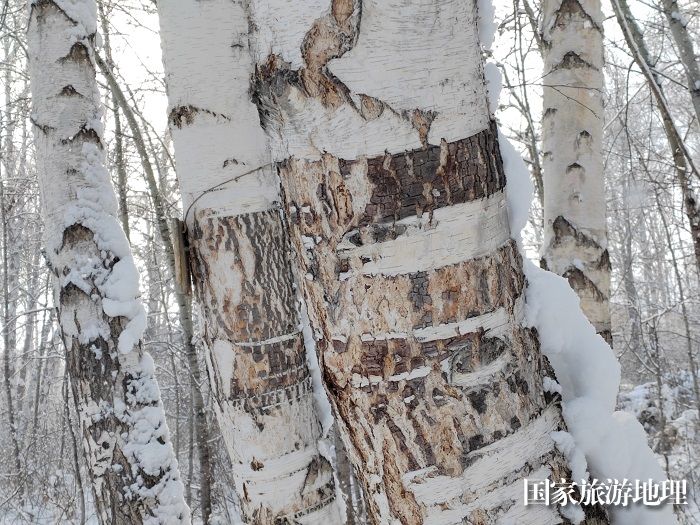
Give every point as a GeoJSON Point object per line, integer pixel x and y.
{"type": "Point", "coordinates": [395, 189]}
{"type": "Point", "coordinates": [242, 269]}
{"type": "Point", "coordinates": [686, 52]}
{"type": "Point", "coordinates": [183, 301]}
{"type": "Point", "coordinates": [133, 471]}
{"type": "Point", "coordinates": [575, 241]}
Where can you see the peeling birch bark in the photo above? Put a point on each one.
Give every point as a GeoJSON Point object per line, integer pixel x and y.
{"type": "Point", "coordinates": [132, 467]}
{"type": "Point", "coordinates": [241, 265]}
{"type": "Point", "coordinates": [395, 190]}
{"type": "Point", "coordinates": [575, 241]}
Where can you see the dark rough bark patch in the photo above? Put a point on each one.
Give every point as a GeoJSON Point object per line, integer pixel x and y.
{"type": "Point", "coordinates": [575, 167]}
{"type": "Point", "coordinates": [268, 368]}
{"type": "Point", "coordinates": [267, 305]}
{"type": "Point", "coordinates": [445, 295]}
{"type": "Point", "coordinates": [180, 116]}
{"type": "Point", "coordinates": [78, 53]}
{"type": "Point", "coordinates": [255, 305]}
{"type": "Point", "coordinates": [269, 83]}
{"type": "Point", "coordinates": [570, 9]}
{"type": "Point", "coordinates": [563, 229]}
{"type": "Point", "coordinates": [573, 60]}
{"type": "Point", "coordinates": [69, 91]}
{"type": "Point", "coordinates": [425, 179]}
{"type": "Point", "coordinates": [84, 134]}
{"type": "Point", "coordinates": [329, 37]}
{"type": "Point", "coordinates": [581, 283]}
{"type": "Point", "coordinates": [584, 139]}
{"type": "Point", "coordinates": [42, 6]}
{"type": "Point", "coordinates": [422, 120]}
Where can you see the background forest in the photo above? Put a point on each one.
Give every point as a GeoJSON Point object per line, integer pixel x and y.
{"type": "Point", "coordinates": [655, 289]}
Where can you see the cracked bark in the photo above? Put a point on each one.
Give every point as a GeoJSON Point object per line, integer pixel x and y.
{"type": "Point", "coordinates": [400, 233]}
{"type": "Point", "coordinates": [133, 473]}
{"type": "Point", "coordinates": [575, 243]}
{"type": "Point", "coordinates": [240, 258]}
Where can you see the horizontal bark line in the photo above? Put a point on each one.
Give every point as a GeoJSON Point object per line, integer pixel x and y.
{"type": "Point", "coordinates": [446, 236]}
{"type": "Point", "coordinates": [266, 401]}
{"type": "Point", "coordinates": [493, 462]}
{"type": "Point", "coordinates": [251, 371]}
{"type": "Point", "coordinates": [436, 347]}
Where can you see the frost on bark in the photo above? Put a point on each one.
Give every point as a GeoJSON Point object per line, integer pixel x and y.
{"type": "Point", "coordinates": [394, 186]}
{"type": "Point", "coordinates": [132, 467]}
{"type": "Point", "coordinates": [575, 244]}
{"type": "Point", "coordinates": [242, 269]}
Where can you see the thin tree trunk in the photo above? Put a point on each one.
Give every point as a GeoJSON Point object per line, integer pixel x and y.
{"type": "Point", "coordinates": [575, 236]}
{"type": "Point", "coordinates": [42, 352]}
{"type": "Point", "coordinates": [9, 334]}
{"type": "Point", "coordinates": [686, 52]}
{"type": "Point", "coordinates": [394, 183]}
{"type": "Point", "coordinates": [664, 449]}
{"type": "Point", "coordinates": [132, 468]}
{"type": "Point", "coordinates": [10, 271]}
{"type": "Point", "coordinates": [692, 363]}
{"type": "Point", "coordinates": [118, 136]}
{"type": "Point", "coordinates": [682, 160]}
{"type": "Point", "coordinates": [184, 304]}
{"type": "Point", "coordinates": [240, 258]}
{"type": "Point", "coordinates": [628, 279]}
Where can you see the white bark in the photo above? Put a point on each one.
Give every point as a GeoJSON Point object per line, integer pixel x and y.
{"type": "Point", "coordinates": [377, 112]}
{"type": "Point", "coordinates": [133, 471]}
{"type": "Point", "coordinates": [256, 356]}
{"type": "Point", "coordinates": [575, 244]}
{"type": "Point", "coordinates": [686, 51]}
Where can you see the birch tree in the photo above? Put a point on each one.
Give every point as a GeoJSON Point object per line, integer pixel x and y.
{"type": "Point", "coordinates": [683, 165]}
{"type": "Point", "coordinates": [395, 189]}
{"type": "Point", "coordinates": [575, 240]}
{"type": "Point", "coordinates": [242, 269]}
{"type": "Point", "coordinates": [686, 50]}
{"type": "Point", "coordinates": [132, 468]}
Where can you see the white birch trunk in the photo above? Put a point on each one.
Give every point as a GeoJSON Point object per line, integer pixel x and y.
{"type": "Point", "coordinates": [133, 471]}
{"type": "Point", "coordinates": [686, 51]}
{"type": "Point", "coordinates": [240, 256]}
{"type": "Point", "coordinates": [575, 243]}
{"type": "Point", "coordinates": [394, 183]}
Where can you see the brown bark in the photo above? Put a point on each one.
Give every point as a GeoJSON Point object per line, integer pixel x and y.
{"type": "Point", "coordinates": [400, 426]}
